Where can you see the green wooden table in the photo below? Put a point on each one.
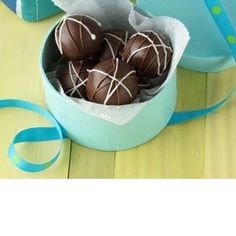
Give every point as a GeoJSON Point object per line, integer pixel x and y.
{"type": "Point", "coordinates": [203, 148]}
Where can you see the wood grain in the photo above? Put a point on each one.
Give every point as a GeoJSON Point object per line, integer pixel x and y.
{"type": "Point", "coordinates": [204, 148]}
{"type": "Point", "coordinates": [221, 127]}
{"type": "Point", "coordinates": [20, 78]}
{"type": "Point", "coordinates": [91, 164]}
{"type": "Point", "coordinates": [178, 152]}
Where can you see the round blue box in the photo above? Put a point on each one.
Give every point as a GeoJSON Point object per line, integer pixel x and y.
{"type": "Point", "coordinates": [92, 132]}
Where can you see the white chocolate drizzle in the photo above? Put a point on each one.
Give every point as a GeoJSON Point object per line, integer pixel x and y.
{"type": "Point", "coordinates": [126, 36]}
{"type": "Point", "coordinates": [60, 26]}
{"type": "Point", "coordinates": [76, 87]}
{"type": "Point", "coordinates": [154, 46]}
{"type": "Point", "coordinates": [113, 78]}
{"type": "Point", "coordinates": [117, 38]}
{"type": "Point", "coordinates": [110, 47]}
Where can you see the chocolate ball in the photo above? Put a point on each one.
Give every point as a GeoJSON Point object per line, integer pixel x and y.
{"type": "Point", "coordinates": [78, 37]}
{"type": "Point", "coordinates": [113, 44]}
{"type": "Point", "coordinates": [112, 82]}
{"type": "Point", "coordinates": [73, 78]}
{"type": "Point", "coordinates": [149, 53]}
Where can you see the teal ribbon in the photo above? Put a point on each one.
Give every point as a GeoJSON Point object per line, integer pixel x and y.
{"type": "Point", "coordinates": [43, 134]}
{"type": "Point", "coordinates": [37, 134]}
{"type": "Point", "coordinates": [219, 14]}
{"type": "Point", "coordinates": [184, 116]}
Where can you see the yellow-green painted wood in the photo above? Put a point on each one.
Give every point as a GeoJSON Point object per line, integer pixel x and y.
{"type": "Point", "coordinates": [221, 128]}
{"type": "Point", "coordinates": [91, 164]}
{"type": "Point", "coordinates": [20, 78]}
{"type": "Point", "coordinates": [203, 148]}
{"type": "Point", "coordinates": [178, 152]}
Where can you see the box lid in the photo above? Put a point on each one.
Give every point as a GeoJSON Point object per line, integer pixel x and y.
{"type": "Point", "coordinates": [207, 50]}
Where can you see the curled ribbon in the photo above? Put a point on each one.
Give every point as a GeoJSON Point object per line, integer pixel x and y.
{"type": "Point", "coordinates": [42, 134]}
{"type": "Point", "coordinates": [38, 134]}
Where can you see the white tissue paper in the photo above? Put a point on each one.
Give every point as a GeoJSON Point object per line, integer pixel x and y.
{"type": "Point", "coordinates": [121, 14]}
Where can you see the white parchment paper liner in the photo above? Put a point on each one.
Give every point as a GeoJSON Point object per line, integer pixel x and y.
{"type": "Point", "coordinates": [120, 14]}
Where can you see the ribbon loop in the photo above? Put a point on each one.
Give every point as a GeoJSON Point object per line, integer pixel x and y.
{"type": "Point", "coordinates": [43, 134]}
{"type": "Point", "coordinates": [38, 134]}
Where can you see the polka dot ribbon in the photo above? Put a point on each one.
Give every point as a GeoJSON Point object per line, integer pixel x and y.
{"type": "Point", "coordinates": [219, 14]}
{"type": "Point", "coordinates": [43, 134]}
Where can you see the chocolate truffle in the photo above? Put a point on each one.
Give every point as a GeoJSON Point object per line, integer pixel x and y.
{"type": "Point", "coordinates": [112, 82]}
{"type": "Point", "coordinates": [149, 53]}
{"type": "Point", "coordinates": [73, 78]}
{"type": "Point", "coordinates": [113, 44]}
{"type": "Point", "coordinates": [78, 37]}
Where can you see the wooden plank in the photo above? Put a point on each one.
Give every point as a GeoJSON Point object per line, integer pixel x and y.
{"type": "Point", "coordinates": [178, 152]}
{"type": "Point", "coordinates": [20, 78]}
{"type": "Point", "coordinates": [221, 128]}
{"type": "Point", "coordinates": [91, 164]}
{"type": "Point", "coordinates": [203, 148]}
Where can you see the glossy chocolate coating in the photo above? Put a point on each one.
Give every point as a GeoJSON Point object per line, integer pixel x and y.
{"type": "Point", "coordinates": [113, 44]}
{"type": "Point", "coordinates": [73, 78]}
{"type": "Point", "coordinates": [78, 37]}
{"type": "Point", "coordinates": [112, 82]}
{"type": "Point", "coordinates": [149, 53]}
